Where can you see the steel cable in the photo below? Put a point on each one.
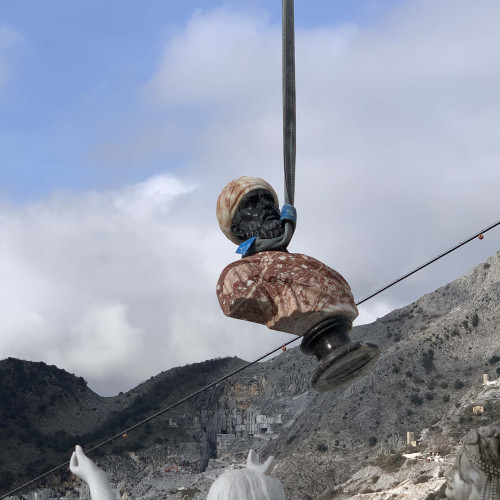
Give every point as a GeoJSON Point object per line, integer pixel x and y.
{"type": "Point", "coordinates": [453, 248]}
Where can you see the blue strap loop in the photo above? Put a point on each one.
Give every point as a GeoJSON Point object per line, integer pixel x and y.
{"type": "Point", "coordinates": [288, 212]}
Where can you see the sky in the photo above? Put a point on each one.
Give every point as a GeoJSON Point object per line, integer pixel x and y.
{"type": "Point", "coordinates": [120, 122]}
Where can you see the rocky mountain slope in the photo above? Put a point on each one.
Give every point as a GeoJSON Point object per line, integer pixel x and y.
{"type": "Point", "coordinates": [345, 444]}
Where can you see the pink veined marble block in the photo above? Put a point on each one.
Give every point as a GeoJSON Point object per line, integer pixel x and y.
{"type": "Point", "coordinates": [284, 291]}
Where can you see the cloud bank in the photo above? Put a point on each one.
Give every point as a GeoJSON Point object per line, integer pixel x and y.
{"type": "Point", "coordinates": [398, 152]}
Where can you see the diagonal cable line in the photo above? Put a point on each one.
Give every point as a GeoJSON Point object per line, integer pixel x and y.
{"type": "Point", "coordinates": [452, 249]}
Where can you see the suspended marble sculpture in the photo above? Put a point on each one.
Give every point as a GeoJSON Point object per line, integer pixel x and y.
{"type": "Point", "coordinates": [293, 293]}
{"type": "Point", "coordinates": [254, 482]}
{"type": "Point", "coordinates": [476, 472]}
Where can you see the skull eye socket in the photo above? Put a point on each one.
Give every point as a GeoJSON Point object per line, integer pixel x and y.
{"type": "Point", "coordinates": [254, 198]}
{"type": "Point", "coordinates": [251, 202]}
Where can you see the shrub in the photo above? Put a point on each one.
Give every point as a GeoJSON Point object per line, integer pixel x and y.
{"type": "Point", "coordinates": [475, 320]}
{"type": "Point", "coordinates": [135, 446]}
{"type": "Point", "coordinates": [416, 400]}
{"type": "Point", "coordinates": [423, 478]}
{"type": "Point", "coordinates": [117, 449]}
{"type": "Point", "coordinates": [395, 369]}
{"type": "Point", "coordinates": [429, 396]}
{"type": "Point", "coordinates": [458, 384]}
{"type": "Point", "coordinates": [189, 493]}
{"type": "Point", "coordinates": [427, 360]}
{"type": "Point", "coordinates": [438, 494]}
{"type": "Point", "coordinates": [372, 440]}
{"type": "Point", "coordinates": [6, 479]}
{"type": "Point", "coordinates": [443, 385]}
{"type": "Point", "coordinates": [446, 398]}
{"type": "Point", "coordinates": [322, 447]}
{"type": "Point", "coordinates": [390, 463]}
{"type": "Point", "coordinates": [494, 359]}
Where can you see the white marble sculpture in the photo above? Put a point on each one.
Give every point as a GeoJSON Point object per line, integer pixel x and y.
{"type": "Point", "coordinates": [254, 482]}
{"type": "Point", "coordinates": [82, 467]}
{"type": "Point", "coordinates": [476, 472]}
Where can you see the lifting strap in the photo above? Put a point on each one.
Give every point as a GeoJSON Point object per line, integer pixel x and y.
{"type": "Point", "coordinates": [289, 119]}
{"type": "Point", "coordinates": [288, 213]}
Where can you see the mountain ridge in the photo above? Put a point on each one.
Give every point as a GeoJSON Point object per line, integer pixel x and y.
{"type": "Point", "coordinates": [434, 352]}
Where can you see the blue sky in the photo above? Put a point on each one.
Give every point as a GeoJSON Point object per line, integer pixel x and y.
{"type": "Point", "coordinates": [120, 122]}
{"type": "Point", "coordinates": [76, 71]}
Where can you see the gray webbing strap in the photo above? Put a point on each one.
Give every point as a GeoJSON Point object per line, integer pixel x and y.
{"type": "Point", "coordinates": [288, 72]}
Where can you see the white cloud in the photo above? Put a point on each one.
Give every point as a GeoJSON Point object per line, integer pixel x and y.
{"type": "Point", "coordinates": [151, 197]}
{"type": "Point", "coordinates": [103, 342]}
{"type": "Point", "coordinates": [216, 59]}
{"type": "Point", "coordinates": [370, 312]}
{"type": "Point", "coordinates": [9, 40]}
{"type": "Point", "coordinates": [116, 285]}
{"type": "Point", "coordinates": [398, 152]}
